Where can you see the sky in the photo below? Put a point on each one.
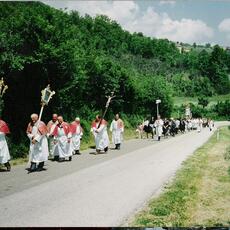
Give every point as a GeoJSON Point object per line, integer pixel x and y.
{"type": "Point", "coordinates": [187, 21]}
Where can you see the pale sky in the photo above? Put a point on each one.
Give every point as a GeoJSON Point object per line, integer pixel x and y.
{"type": "Point", "coordinates": [200, 21]}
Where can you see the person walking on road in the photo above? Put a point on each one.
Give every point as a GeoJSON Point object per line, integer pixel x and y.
{"type": "Point", "coordinates": [100, 134]}
{"type": "Point", "coordinates": [62, 136]}
{"type": "Point", "coordinates": [50, 128]}
{"type": "Point", "coordinates": [117, 129]}
{"type": "Point", "coordinates": [77, 133]}
{"type": "Point", "coordinates": [4, 151]}
{"type": "Point", "coordinates": [39, 152]}
{"type": "Point", "coordinates": [159, 127]}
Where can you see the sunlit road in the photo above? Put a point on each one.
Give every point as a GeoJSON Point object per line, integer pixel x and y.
{"type": "Point", "coordinates": [102, 190]}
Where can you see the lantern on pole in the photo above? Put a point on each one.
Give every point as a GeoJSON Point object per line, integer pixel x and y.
{"type": "Point", "coordinates": [45, 98]}
{"type": "Point", "coordinates": [3, 87]}
{"type": "Point", "coordinates": [158, 101]}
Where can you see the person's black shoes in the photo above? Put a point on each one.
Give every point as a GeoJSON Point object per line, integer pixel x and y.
{"type": "Point", "coordinates": [56, 158]}
{"type": "Point", "coordinates": [32, 167]}
{"type": "Point", "coordinates": [61, 159]}
{"type": "Point", "coordinates": [70, 158]}
{"type": "Point", "coordinates": [40, 166]}
{"type": "Point", "coordinates": [8, 166]}
{"type": "Point", "coordinates": [106, 149]}
{"type": "Point", "coordinates": [77, 152]}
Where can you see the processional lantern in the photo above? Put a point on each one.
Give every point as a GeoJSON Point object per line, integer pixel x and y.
{"type": "Point", "coordinates": [3, 87]}
{"type": "Point", "coordinates": [46, 95]}
{"type": "Point", "coordinates": [158, 101]}
{"type": "Point", "coordinates": [45, 98]}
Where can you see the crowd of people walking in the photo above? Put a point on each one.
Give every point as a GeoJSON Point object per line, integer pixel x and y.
{"type": "Point", "coordinates": [62, 140]}
{"type": "Point", "coordinates": [171, 127]}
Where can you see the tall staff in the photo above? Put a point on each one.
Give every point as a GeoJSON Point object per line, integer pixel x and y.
{"type": "Point", "coordinates": [106, 107]}
{"type": "Point", "coordinates": [3, 89]}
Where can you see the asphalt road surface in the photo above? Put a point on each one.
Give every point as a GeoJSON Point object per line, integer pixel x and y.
{"type": "Point", "coordinates": [94, 190]}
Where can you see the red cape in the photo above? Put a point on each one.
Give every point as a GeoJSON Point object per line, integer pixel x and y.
{"type": "Point", "coordinates": [4, 127]}
{"type": "Point", "coordinates": [95, 124]}
{"type": "Point", "coordinates": [65, 126]}
{"type": "Point", "coordinates": [73, 127]}
{"type": "Point", "coordinates": [41, 128]}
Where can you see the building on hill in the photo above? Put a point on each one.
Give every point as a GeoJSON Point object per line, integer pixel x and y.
{"type": "Point", "coordinates": [179, 47]}
{"type": "Point", "coordinates": [183, 48]}
{"type": "Point", "coordinates": [227, 49]}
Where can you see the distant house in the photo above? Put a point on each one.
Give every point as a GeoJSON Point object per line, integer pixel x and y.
{"type": "Point", "coordinates": [182, 49]}
{"type": "Point", "coordinates": [179, 47]}
{"type": "Point", "coordinates": [186, 49]}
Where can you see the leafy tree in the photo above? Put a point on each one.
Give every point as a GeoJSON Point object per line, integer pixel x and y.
{"type": "Point", "coordinates": [203, 101]}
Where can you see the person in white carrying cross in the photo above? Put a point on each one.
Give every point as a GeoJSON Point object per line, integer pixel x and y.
{"type": "Point", "coordinates": [100, 134]}
{"type": "Point", "coordinates": [117, 129]}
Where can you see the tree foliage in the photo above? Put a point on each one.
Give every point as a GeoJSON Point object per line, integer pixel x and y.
{"type": "Point", "coordinates": [85, 58]}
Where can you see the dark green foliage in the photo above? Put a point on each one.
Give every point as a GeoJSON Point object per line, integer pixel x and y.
{"type": "Point", "coordinates": [203, 101]}
{"type": "Point", "coordinates": [223, 109]}
{"type": "Point", "coordinates": [85, 58]}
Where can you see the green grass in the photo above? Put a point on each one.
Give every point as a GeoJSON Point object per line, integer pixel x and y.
{"type": "Point", "coordinates": [178, 101]}
{"type": "Point", "coordinates": [199, 193]}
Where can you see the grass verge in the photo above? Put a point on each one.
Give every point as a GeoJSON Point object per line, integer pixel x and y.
{"type": "Point", "coordinates": [199, 195]}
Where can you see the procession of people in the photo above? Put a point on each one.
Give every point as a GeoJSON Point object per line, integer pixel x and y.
{"type": "Point", "coordinates": [171, 127]}
{"type": "Point", "coordinates": [61, 140]}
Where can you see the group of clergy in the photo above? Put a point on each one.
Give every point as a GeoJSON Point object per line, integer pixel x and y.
{"type": "Point", "coordinates": [60, 139]}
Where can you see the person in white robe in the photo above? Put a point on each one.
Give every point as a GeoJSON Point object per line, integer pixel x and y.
{"type": "Point", "coordinates": [62, 136]}
{"type": "Point", "coordinates": [4, 151]}
{"type": "Point", "coordinates": [100, 134]}
{"type": "Point", "coordinates": [158, 124]}
{"type": "Point", "coordinates": [199, 125]}
{"type": "Point", "coordinates": [210, 124]}
{"type": "Point", "coordinates": [117, 129]}
{"type": "Point", "coordinates": [77, 133]}
{"type": "Point", "coordinates": [50, 128]}
{"type": "Point", "coordinates": [38, 152]}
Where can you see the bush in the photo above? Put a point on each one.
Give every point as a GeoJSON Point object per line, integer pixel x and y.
{"type": "Point", "coordinates": [223, 109]}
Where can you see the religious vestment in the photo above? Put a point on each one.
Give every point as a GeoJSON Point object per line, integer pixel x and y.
{"type": "Point", "coordinates": [76, 132]}
{"type": "Point", "coordinates": [62, 136]}
{"type": "Point", "coordinates": [4, 151]}
{"type": "Point", "coordinates": [117, 129]}
{"type": "Point", "coordinates": [159, 127]}
{"type": "Point", "coordinates": [50, 128]}
{"type": "Point", "coordinates": [39, 151]}
{"type": "Point", "coordinates": [100, 135]}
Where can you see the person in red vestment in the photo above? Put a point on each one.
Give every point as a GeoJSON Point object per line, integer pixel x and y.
{"type": "Point", "coordinates": [4, 151]}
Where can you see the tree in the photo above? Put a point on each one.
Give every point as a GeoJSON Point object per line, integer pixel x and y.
{"type": "Point", "coordinates": [203, 101]}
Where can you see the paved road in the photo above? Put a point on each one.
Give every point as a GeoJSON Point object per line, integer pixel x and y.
{"type": "Point", "coordinates": [102, 190]}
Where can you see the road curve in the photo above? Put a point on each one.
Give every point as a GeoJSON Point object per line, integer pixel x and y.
{"type": "Point", "coordinates": [102, 194]}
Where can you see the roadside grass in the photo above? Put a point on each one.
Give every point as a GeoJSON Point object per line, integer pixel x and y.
{"type": "Point", "coordinates": [178, 101]}
{"type": "Point", "coordinates": [199, 194]}
{"type": "Point", "coordinates": [128, 134]}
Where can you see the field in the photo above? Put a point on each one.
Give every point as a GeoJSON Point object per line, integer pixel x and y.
{"type": "Point", "coordinates": [213, 100]}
